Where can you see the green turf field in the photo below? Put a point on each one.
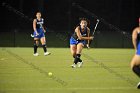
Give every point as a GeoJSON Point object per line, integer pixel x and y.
{"type": "Point", "coordinates": [104, 71]}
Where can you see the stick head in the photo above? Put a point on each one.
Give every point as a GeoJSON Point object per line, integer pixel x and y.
{"type": "Point", "coordinates": [32, 35]}
{"type": "Point", "coordinates": [98, 20]}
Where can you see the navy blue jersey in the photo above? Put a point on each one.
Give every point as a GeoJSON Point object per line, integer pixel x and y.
{"type": "Point", "coordinates": [138, 44]}
{"type": "Point", "coordinates": [83, 33]}
{"type": "Point", "coordinates": [39, 23]}
{"type": "Point", "coordinates": [138, 38]}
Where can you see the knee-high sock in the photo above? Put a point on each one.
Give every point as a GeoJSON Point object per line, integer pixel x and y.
{"type": "Point", "coordinates": [35, 49]}
{"type": "Point", "coordinates": [44, 48]}
{"type": "Point", "coordinates": [35, 46]}
{"type": "Point", "coordinates": [136, 70]}
{"type": "Point", "coordinates": [77, 58]}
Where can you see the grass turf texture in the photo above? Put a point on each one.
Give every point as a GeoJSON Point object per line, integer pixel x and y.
{"type": "Point", "coordinates": [103, 71]}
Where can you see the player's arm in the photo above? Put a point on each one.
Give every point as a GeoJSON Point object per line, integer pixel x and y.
{"type": "Point", "coordinates": [43, 27]}
{"type": "Point", "coordinates": [134, 38]}
{"type": "Point", "coordinates": [80, 37]}
{"type": "Point", "coordinates": [34, 26]}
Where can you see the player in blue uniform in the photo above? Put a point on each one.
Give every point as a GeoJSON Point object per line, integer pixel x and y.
{"type": "Point", "coordinates": [135, 63]}
{"type": "Point", "coordinates": [39, 34]}
{"type": "Point", "coordinates": [78, 40]}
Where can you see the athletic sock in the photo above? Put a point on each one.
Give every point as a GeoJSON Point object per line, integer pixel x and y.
{"type": "Point", "coordinates": [136, 70]}
{"type": "Point", "coordinates": [35, 49]}
{"type": "Point", "coordinates": [76, 59]}
{"type": "Point", "coordinates": [80, 60]}
{"type": "Point", "coordinates": [78, 56]}
{"type": "Point", "coordinates": [44, 48]}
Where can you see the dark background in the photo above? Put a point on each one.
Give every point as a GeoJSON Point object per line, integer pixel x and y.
{"type": "Point", "coordinates": [61, 17]}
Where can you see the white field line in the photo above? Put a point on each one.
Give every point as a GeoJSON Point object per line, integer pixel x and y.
{"type": "Point", "coordinates": [94, 88]}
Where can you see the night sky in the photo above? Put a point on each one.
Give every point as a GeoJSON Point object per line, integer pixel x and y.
{"type": "Point", "coordinates": [61, 15]}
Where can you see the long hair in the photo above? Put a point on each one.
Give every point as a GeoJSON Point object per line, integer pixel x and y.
{"type": "Point", "coordinates": [81, 19]}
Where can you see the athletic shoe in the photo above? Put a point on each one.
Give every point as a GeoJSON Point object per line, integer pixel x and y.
{"type": "Point", "coordinates": [47, 53]}
{"type": "Point", "coordinates": [73, 65]}
{"type": "Point", "coordinates": [79, 64]}
{"type": "Point", "coordinates": [138, 86]}
{"type": "Point", "coordinates": [36, 54]}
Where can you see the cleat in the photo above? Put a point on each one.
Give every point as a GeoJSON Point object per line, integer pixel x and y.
{"type": "Point", "coordinates": [36, 54]}
{"type": "Point", "coordinates": [138, 86]}
{"type": "Point", "coordinates": [79, 64]}
{"type": "Point", "coordinates": [47, 53]}
{"type": "Point", "coordinates": [73, 65]}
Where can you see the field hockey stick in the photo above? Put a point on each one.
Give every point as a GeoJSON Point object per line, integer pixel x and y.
{"type": "Point", "coordinates": [32, 35]}
{"type": "Point", "coordinates": [95, 27]}
{"type": "Point", "coordinates": [94, 31]}
{"type": "Point", "coordinates": [37, 35]}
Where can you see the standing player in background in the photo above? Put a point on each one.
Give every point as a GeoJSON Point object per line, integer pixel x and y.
{"type": "Point", "coordinates": [39, 34]}
{"type": "Point", "coordinates": [78, 40]}
{"type": "Point", "coordinates": [135, 63]}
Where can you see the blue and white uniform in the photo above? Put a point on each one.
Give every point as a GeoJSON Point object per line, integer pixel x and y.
{"type": "Point", "coordinates": [74, 38]}
{"type": "Point", "coordinates": [138, 44]}
{"type": "Point", "coordinates": [39, 28]}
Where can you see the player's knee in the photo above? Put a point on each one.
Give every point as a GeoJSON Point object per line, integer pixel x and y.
{"type": "Point", "coordinates": [79, 51]}
{"type": "Point", "coordinates": [73, 51]}
{"type": "Point", "coordinates": [44, 45]}
{"type": "Point", "coordinates": [35, 42]}
{"type": "Point", "coordinates": [133, 64]}
{"type": "Point", "coordinates": [81, 45]}
{"type": "Point", "coordinates": [43, 42]}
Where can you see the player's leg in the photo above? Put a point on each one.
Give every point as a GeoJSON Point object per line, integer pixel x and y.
{"type": "Point", "coordinates": [73, 49]}
{"type": "Point", "coordinates": [36, 43]}
{"type": "Point", "coordinates": [78, 54]}
{"type": "Point", "coordinates": [43, 42]}
{"type": "Point", "coordinates": [135, 66]}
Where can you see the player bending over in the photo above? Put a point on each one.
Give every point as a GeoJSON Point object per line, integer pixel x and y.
{"type": "Point", "coordinates": [78, 40]}
{"type": "Point", "coordinates": [39, 34]}
{"type": "Point", "coordinates": [135, 63]}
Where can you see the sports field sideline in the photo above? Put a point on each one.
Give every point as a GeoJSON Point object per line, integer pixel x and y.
{"type": "Point", "coordinates": [104, 71]}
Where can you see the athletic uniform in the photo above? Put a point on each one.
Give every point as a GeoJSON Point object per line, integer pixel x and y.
{"type": "Point", "coordinates": [136, 68]}
{"type": "Point", "coordinates": [74, 38]}
{"type": "Point", "coordinates": [74, 41]}
{"type": "Point", "coordinates": [39, 28]}
{"type": "Point", "coordinates": [138, 44]}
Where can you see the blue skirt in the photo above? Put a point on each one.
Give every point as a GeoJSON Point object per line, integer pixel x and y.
{"type": "Point", "coordinates": [75, 42]}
